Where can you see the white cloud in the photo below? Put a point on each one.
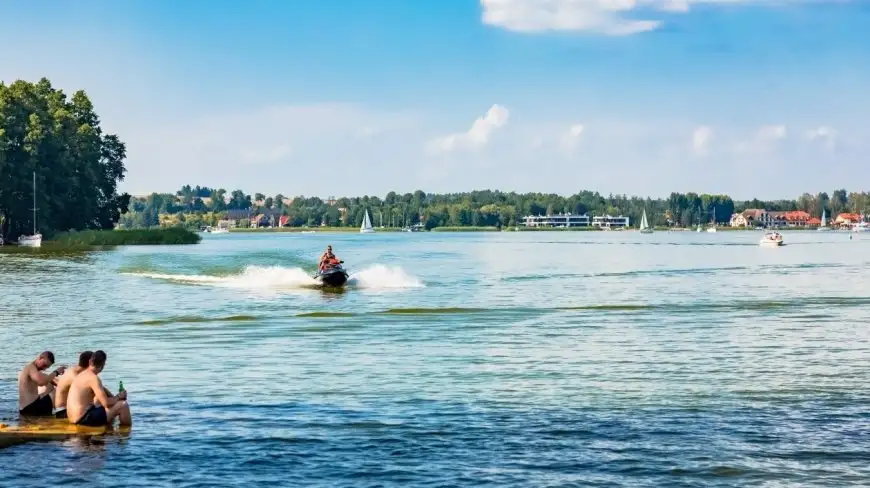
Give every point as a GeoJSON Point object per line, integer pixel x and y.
{"type": "Point", "coordinates": [572, 136]}
{"type": "Point", "coordinates": [477, 136]}
{"type": "Point", "coordinates": [610, 17]}
{"type": "Point", "coordinates": [764, 139]}
{"type": "Point", "coordinates": [771, 133]}
{"type": "Point", "coordinates": [824, 135]}
{"type": "Point", "coordinates": [701, 139]}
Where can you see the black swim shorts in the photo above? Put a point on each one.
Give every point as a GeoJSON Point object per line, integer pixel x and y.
{"type": "Point", "coordinates": [41, 407]}
{"type": "Point", "coordinates": [94, 417]}
{"type": "Point", "coordinates": [60, 414]}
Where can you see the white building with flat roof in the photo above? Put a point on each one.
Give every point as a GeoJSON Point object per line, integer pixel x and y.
{"type": "Point", "coordinates": [560, 220]}
{"type": "Point", "coordinates": [609, 221]}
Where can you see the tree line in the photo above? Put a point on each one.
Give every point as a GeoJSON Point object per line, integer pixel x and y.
{"type": "Point", "coordinates": [77, 165]}
{"type": "Point", "coordinates": [198, 206]}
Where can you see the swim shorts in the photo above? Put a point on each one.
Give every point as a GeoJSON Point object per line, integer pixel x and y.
{"type": "Point", "coordinates": [94, 417]}
{"type": "Point", "coordinates": [41, 407]}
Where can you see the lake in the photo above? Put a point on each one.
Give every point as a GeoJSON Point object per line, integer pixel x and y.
{"type": "Point", "coordinates": [452, 359]}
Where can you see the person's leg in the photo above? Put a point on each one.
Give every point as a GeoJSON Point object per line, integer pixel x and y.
{"type": "Point", "coordinates": [120, 410]}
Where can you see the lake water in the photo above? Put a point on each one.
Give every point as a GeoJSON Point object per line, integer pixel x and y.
{"type": "Point", "coordinates": [509, 359]}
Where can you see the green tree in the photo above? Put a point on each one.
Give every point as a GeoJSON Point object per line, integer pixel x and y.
{"type": "Point", "coordinates": [77, 165]}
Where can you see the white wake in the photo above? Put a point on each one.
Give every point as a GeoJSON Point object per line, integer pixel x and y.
{"type": "Point", "coordinates": [279, 277]}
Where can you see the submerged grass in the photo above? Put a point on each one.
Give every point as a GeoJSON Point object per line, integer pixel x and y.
{"type": "Point", "coordinates": [167, 236]}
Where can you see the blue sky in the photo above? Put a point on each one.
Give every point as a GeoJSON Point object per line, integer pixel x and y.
{"type": "Point", "coordinates": [764, 98]}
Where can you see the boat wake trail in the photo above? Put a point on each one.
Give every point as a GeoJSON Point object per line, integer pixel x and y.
{"type": "Point", "coordinates": [380, 277]}
{"type": "Point", "coordinates": [282, 278]}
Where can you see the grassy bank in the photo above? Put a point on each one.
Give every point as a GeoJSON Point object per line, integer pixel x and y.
{"type": "Point", "coordinates": [469, 228]}
{"type": "Point", "coordinates": [168, 236]}
{"type": "Point", "coordinates": [308, 229]}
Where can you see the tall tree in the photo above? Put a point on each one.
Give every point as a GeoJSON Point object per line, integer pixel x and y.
{"type": "Point", "coordinates": [77, 165]}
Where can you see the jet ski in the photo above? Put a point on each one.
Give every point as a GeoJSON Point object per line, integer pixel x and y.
{"type": "Point", "coordinates": [332, 276]}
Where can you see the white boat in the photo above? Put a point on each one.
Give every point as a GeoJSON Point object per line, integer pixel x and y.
{"type": "Point", "coordinates": [35, 239]}
{"type": "Point", "coordinates": [823, 227]}
{"type": "Point", "coordinates": [644, 225]}
{"type": "Point", "coordinates": [861, 226]}
{"type": "Point", "coordinates": [366, 227]}
{"type": "Point", "coordinates": [699, 229]}
{"type": "Point", "coordinates": [220, 230]}
{"type": "Point", "coordinates": [771, 239]}
{"type": "Point", "coordinates": [712, 227]}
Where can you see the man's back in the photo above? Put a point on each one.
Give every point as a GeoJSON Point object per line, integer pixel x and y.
{"type": "Point", "coordinates": [81, 394]}
{"type": "Point", "coordinates": [28, 390]}
{"type": "Point", "coordinates": [63, 385]}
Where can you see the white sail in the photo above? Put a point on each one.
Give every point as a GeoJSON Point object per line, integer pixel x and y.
{"type": "Point", "coordinates": [366, 226]}
{"type": "Point", "coordinates": [644, 225]}
{"type": "Point", "coordinates": [824, 219]}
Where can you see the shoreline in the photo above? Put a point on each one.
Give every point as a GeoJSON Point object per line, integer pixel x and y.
{"type": "Point", "coordinates": [391, 230]}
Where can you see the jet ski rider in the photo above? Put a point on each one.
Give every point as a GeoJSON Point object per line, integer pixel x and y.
{"type": "Point", "coordinates": [328, 259]}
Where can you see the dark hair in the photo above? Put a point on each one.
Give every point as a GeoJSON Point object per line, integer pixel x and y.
{"type": "Point", "coordinates": [48, 355]}
{"type": "Point", "coordinates": [85, 358]}
{"type": "Point", "coordinates": [98, 359]}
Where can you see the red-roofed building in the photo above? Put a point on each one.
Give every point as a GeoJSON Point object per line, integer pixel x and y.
{"type": "Point", "coordinates": [847, 219]}
{"type": "Point", "coordinates": [283, 221]}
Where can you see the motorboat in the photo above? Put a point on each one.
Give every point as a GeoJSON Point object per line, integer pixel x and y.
{"type": "Point", "coordinates": [771, 239]}
{"type": "Point", "coordinates": [332, 276]}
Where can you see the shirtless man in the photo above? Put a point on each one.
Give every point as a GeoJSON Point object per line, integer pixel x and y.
{"type": "Point", "coordinates": [30, 401]}
{"type": "Point", "coordinates": [327, 259]}
{"type": "Point", "coordinates": [87, 402]}
{"type": "Point", "coordinates": [65, 382]}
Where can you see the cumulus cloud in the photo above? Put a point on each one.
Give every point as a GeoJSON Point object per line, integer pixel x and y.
{"type": "Point", "coordinates": [477, 136]}
{"type": "Point", "coordinates": [609, 17]}
{"type": "Point", "coordinates": [701, 139]}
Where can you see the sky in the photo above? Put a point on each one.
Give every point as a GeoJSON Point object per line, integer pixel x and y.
{"type": "Point", "coordinates": [752, 98]}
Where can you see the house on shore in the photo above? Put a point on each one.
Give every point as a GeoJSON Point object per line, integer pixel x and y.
{"type": "Point", "coordinates": [756, 217]}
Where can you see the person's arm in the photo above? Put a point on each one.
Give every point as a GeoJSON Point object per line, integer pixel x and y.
{"type": "Point", "coordinates": [100, 394]}
{"type": "Point", "coordinates": [42, 379]}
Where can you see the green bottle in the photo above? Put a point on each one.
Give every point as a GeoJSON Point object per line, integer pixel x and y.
{"type": "Point", "coordinates": [120, 387]}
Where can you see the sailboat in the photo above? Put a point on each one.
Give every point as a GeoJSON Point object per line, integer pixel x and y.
{"type": "Point", "coordinates": [366, 227]}
{"type": "Point", "coordinates": [824, 225]}
{"type": "Point", "coordinates": [644, 225]}
{"type": "Point", "coordinates": [35, 239]}
{"type": "Point", "coordinates": [712, 227]}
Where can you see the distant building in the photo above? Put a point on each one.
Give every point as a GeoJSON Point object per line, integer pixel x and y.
{"type": "Point", "coordinates": [752, 217]}
{"type": "Point", "coordinates": [796, 218]}
{"type": "Point", "coordinates": [847, 219]}
{"type": "Point", "coordinates": [738, 220]}
{"type": "Point", "coordinates": [268, 217]}
{"type": "Point", "coordinates": [561, 220]}
{"type": "Point", "coordinates": [609, 221]}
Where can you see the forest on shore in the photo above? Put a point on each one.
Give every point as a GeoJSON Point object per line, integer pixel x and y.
{"type": "Point", "coordinates": [197, 206]}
